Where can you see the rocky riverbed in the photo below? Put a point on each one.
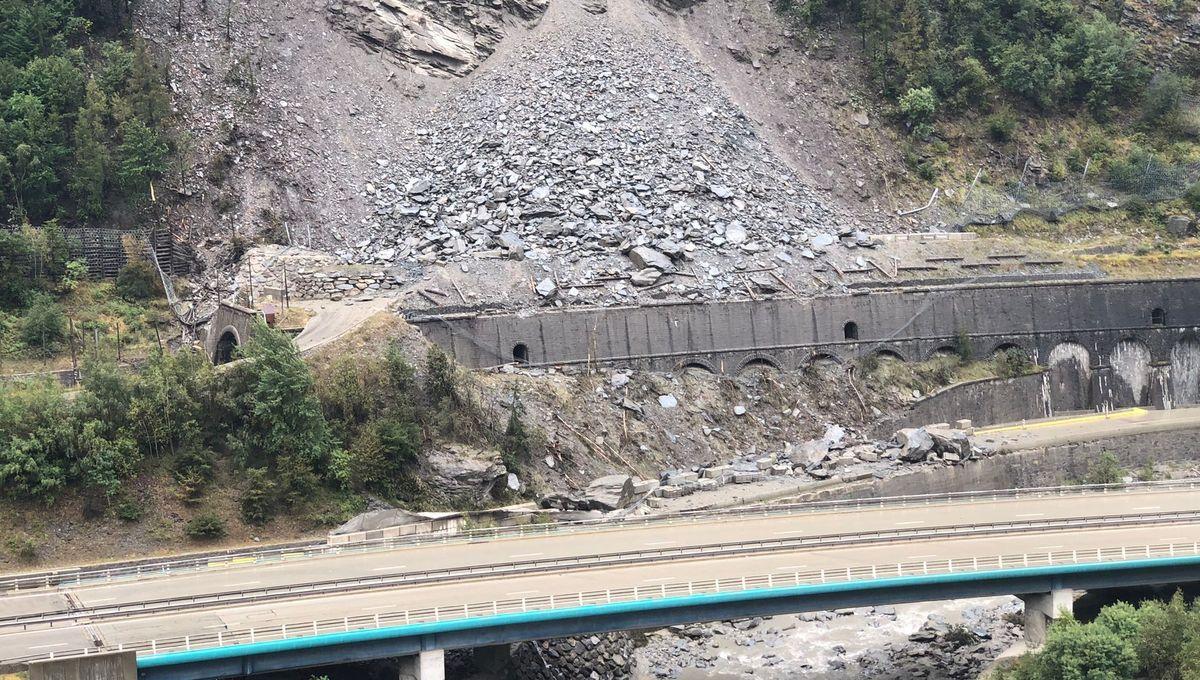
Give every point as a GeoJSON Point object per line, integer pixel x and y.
{"type": "Point", "coordinates": [951, 639]}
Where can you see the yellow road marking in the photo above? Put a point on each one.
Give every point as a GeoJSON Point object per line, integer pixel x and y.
{"type": "Point", "coordinates": [1075, 420]}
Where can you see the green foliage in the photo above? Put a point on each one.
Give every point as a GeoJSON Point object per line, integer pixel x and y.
{"type": "Point", "coordinates": [65, 101]}
{"type": "Point", "coordinates": [258, 500]}
{"type": "Point", "coordinates": [962, 345]}
{"type": "Point", "coordinates": [193, 472]}
{"type": "Point", "coordinates": [918, 107]}
{"type": "Point", "coordinates": [1163, 97]}
{"type": "Point", "coordinates": [1050, 53]}
{"type": "Point", "coordinates": [138, 280]}
{"type": "Point", "coordinates": [44, 325]}
{"type": "Point", "coordinates": [129, 511]}
{"type": "Point", "coordinates": [205, 527]}
{"type": "Point", "coordinates": [284, 428]}
{"type": "Point", "coordinates": [1106, 470]}
{"type": "Point", "coordinates": [23, 548]}
{"type": "Point", "coordinates": [514, 446]}
{"type": "Point", "coordinates": [1012, 362]}
{"type": "Point", "coordinates": [1001, 125]}
{"type": "Point", "coordinates": [1153, 640]}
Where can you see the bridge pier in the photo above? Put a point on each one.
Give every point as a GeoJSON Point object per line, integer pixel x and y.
{"type": "Point", "coordinates": [430, 665]}
{"type": "Point", "coordinates": [1041, 609]}
{"type": "Point", "coordinates": [115, 666]}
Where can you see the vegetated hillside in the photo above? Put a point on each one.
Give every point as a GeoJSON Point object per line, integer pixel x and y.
{"type": "Point", "coordinates": [1041, 91]}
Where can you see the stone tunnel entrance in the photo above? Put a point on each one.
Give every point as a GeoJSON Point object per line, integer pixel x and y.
{"type": "Point", "coordinates": [226, 346]}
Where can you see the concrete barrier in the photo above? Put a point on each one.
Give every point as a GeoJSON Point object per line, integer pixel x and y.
{"type": "Point", "coordinates": [115, 666]}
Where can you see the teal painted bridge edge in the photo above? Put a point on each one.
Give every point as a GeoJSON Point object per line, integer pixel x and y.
{"type": "Point", "coordinates": [418, 629]}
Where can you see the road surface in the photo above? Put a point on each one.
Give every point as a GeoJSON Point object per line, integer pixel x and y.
{"type": "Point", "coordinates": [1088, 427]}
{"type": "Point", "coordinates": [21, 636]}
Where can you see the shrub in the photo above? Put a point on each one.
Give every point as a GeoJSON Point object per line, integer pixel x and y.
{"type": "Point", "coordinates": [1163, 97]}
{"type": "Point", "coordinates": [44, 325]}
{"type": "Point", "coordinates": [1105, 470]}
{"type": "Point", "coordinates": [1012, 362]}
{"type": "Point", "coordinates": [258, 499]}
{"type": "Point", "coordinates": [514, 447]}
{"type": "Point", "coordinates": [1001, 125]}
{"type": "Point", "coordinates": [129, 511]}
{"type": "Point", "coordinates": [138, 280]}
{"type": "Point", "coordinates": [22, 548]}
{"type": "Point", "coordinates": [918, 106]}
{"type": "Point", "coordinates": [205, 527]}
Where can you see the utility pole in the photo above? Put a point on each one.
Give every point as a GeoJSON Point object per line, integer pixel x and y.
{"type": "Point", "coordinates": [74, 359]}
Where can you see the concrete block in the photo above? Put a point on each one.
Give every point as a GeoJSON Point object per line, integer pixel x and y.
{"type": "Point", "coordinates": [429, 665]}
{"type": "Point", "coordinates": [748, 477]}
{"type": "Point", "coordinates": [964, 424]}
{"type": "Point", "coordinates": [707, 485]}
{"type": "Point", "coordinates": [115, 666]}
{"type": "Point", "coordinates": [717, 471]}
{"type": "Point", "coordinates": [765, 462]}
{"type": "Point", "coordinates": [779, 469]}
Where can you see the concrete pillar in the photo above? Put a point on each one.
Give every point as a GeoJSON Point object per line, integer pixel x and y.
{"type": "Point", "coordinates": [429, 665]}
{"type": "Point", "coordinates": [1043, 608]}
{"type": "Point", "coordinates": [116, 666]}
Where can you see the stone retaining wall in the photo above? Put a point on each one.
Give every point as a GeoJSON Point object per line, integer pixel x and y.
{"type": "Point", "coordinates": [332, 284]}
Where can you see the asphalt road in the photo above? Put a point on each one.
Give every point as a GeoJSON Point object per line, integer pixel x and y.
{"type": "Point", "coordinates": [132, 628]}
{"type": "Point", "coordinates": [1088, 427]}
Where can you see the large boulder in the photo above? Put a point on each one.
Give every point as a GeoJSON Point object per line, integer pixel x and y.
{"type": "Point", "coordinates": [946, 440]}
{"type": "Point", "coordinates": [915, 444]}
{"type": "Point", "coordinates": [646, 257]}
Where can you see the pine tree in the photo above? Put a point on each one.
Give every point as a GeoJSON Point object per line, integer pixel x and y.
{"type": "Point", "coordinates": [91, 152]}
{"type": "Point", "coordinates": [147, 92]}
{"type": "Point", "coordinates": [515, 445]}
{"type": "Point", "coordinates": [142, 157]}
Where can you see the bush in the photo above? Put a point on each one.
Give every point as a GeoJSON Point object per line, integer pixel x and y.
{"type": "Point", "coordinates": [918, 106]}
{"type": "Point", "coordinates": [1163, 97]}
{"type": "Point", "coordinates": [44, 326]}
{"type": "Point", "coordinates": [138, 280]}
{"type": "Point", "coordinates": [23, 548]}
{"type": "Point", "coordinates": [1105, 470]}
{"type": "Point", "coordinates": [1012, 362]}
{"type": "Point", "coordinates": [1001, 125]}
{"type": "Point", "coordinates": [514, 447]}
{"type": "Point", "coordinates": [258, 499]}
{"type": "Point", "coordinates": [129, 511]}
{"type": "Point", "coordinates": [205, 527]}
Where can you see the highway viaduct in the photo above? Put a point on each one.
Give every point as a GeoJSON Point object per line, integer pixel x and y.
{"type": "Point", "coordinates": [275, 610]}
{"type": "Point", "coordinates": [1107, 344]}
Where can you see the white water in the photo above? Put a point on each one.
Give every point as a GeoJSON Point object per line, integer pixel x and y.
{"type": "Point", "coordinates": [1130, 362]}
{"type": "Point", "coordinates": [1185, 372]}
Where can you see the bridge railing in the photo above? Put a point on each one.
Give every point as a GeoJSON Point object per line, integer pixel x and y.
{"type": "Point", "coordinates": [101, 574]}
{"type": "Point", "coordinates": [680, 589]}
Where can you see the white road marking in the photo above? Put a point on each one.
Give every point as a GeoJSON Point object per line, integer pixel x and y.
{"type": "Point", "coordinates": [902, 524]}
{"type": "Point", "coordinates": [657, 580]}
{"type": "Point", "coordinates": [379, 608]}
{"type": "Point", "coordinates": [1048, 547]}
{"type": "Point", "coordinates": [101, 600]}
{"type": "Point", "coordinates": [1149, 507]}
{"type": "Point", "coordinates": [1032, 514]}
{"type": "Point", "coordinates": [396, 566]}
{"type": "Point", "coordinates": [524, 592]}
{"type": "Point", "coordinates": [56, 644]}
{"type": "Point", "coordinates": [787, 533]}
{"type": "Point", "coordinates": [920, 557]}
{"type": "Point", "coordinates": [661, 543]}
{"type": "Point", "coordinates": [526, 555]}
{"type": "Point", "coordinates": [247, 583]}
{"type": "Point", "coordinates": [794, 568]}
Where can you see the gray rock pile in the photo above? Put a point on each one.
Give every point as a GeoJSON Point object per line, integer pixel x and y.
{"type": "Point", "coordinates": [598, 657]}
{"type": "Point", "coordinates": [595, 142]}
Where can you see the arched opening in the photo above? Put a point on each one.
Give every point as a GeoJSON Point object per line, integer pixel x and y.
{"type": "Point", "coordinates": [695, 367]}
{"type": "Point", "coordinates": [888, 354]}
{"type": "Point", "coordinates": [1158, 317]}
{"type": "Point", "coordinates": [758, 364]}
{"type": "Point", "coordinates": [226, 346]}
{"type": "Point", "coordinates": [1130, 361]}
{"type": "Point", "coordinates": [520, 353]}
{"type": "Point", "coordinates": [850, 330]}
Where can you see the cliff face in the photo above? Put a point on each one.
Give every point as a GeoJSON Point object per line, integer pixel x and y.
{"type": "Point", "coordinates": [441, 38]}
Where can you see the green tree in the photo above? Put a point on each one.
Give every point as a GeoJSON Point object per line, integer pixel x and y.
{"type": "Point", "coordinates": [146, 88]}
{"type": "Point", "coordinates": [44, 325]}
{"type": "Point", "coordinates": [1076, 651]}
{"type": "Point", "coordinates": [92, 159]}
{"type": "Point", "coordinates": [918, 106]}
{"type": "Point", "coordinates": [1106, 470]}
{"type": "Point", "coordinates": [141, 158]}
{"type": "Point", "coordinates": [514, 446]}
{"type": "Point", "coordinates": [257, 502]}
{"type": "Point", "coordinates": [138, 280]}
{"type": "Point", "coordinates": [285, 427]}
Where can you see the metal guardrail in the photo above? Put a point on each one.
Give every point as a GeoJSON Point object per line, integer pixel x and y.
{"type": "Point", "coordinates": [315, 627]}
{"type": "Point", "coordinates": [70, 617]}
{"type": "Point", "coordinates": [271, 555]}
